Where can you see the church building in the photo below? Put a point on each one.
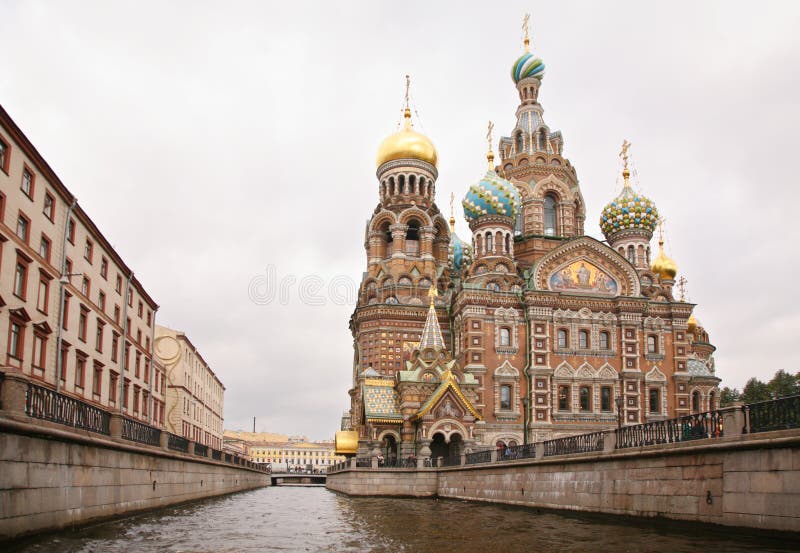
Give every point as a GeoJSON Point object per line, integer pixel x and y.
{"type": "Point", "coordinates": [528, 331]}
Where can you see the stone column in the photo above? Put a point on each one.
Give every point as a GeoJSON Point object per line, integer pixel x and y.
{"type": "Point", "coordinates": [609, 441]}
{"type": "Point", "coordinates": [115, 426]}
{"type": "Point", "coordinates": [13, 390]}
{"type": "Point", "coordinates": [426, 242]}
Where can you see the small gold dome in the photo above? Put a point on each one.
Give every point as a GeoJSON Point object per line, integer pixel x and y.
{"type": "Point", "coordinates": [664, 266]}
{"type": "Point", "coordinates": [407, 144]}
{"type": "Point", "coordinates": [692, 323]}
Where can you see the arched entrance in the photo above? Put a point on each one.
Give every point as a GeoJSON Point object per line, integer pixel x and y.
{"type": "Point", "coordinates": [444, 447]}
{"type": "Point", "coordinates": [389, 449]}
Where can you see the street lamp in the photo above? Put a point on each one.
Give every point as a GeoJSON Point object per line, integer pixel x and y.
{"type": "Point", "coordinates": [525, 403]}
{"type": "Point", "coordinates": [618, 400]}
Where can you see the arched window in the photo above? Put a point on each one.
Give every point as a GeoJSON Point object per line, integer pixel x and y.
{"type": "Point", "coordinates": [632, 255]}
{"type": "Point", "coordinates": [508, 244]}
{"type": "Point", "coordinates": [402, 184]}
{"type": "Point", "coordinates": [550, 218]}
{"type": "Point", "coordinates": [604, 340]}
{"type": "Point", "coordinates": [695, 401]}
{"type": "Point", "coordinates": [520, 142]}
{"type": "Point", "coordinates": [489, 242]}
{"type": "Point", "coordinates": [505, 337]}
{"type": "Point", "coordinates": [583, 339]}
{"type": "Point", "coordinates": [543, 140]}
{"type": "Point", "coordinates": [652, 344]}
{"type": "Point", "coordinates": [712, 399]}
{"type": "Point", "coordinates": [586, 398]}
{"type": "Point", "coordinates": [562, 339]}
{"type": "Point", "coordinates": [505, 396]}
{"type": "Point", "coordinates": [412, 238]}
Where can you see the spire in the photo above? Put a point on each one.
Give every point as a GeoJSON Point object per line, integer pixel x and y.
{"type": "Point", "coordinates": [452, 213]}
{"type": "Point", "coordinates": [490, 153]}
{"type": "Point", "coordinates": [526, 39]}
{"type": "Point", "coordinates": [431, 332]}
{"type": "Point", "coordinates": [407, 105]}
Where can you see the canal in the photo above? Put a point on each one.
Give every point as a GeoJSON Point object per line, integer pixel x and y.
{"type": "Point", "coordinates": [315, 519]}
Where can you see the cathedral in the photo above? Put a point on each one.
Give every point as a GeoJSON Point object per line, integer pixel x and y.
{"type": "Point", "coordinates": [528, 331]}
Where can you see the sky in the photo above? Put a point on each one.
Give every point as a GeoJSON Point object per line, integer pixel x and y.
{"type": "Point", "coordinates": [227, 151]}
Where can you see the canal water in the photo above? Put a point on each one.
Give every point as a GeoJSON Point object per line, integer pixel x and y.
{"type": "Point", "coordinates": [289, 519]}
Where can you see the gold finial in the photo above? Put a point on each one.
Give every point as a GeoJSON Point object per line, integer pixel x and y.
{"type": "Point", "coordinates": [661, 232]}
{"type": "Point", "coordinates": [624, 155]}
{"type": "Point", "coordinates": [526, 36]}
{"type": "Point", "coordinates": [432, 293]}
{"type": "Point", "coordinates": [490, 154]}
{"type": "Point", "coordinates": [452, 213]}
{"type": "Point", "coordinates": [407, 106]}
{"type": "Point", "coordinates": [682, 288]}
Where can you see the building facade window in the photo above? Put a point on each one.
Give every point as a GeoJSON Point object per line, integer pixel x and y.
{"type": "Point", "coordinates": [505, 337]}
{"type": "Point", "coordinates": [97, 381]}
{"type": "Point", "coordinates": [604, 340]}
{"type": "Point", "coordinates": [27, 182]}
{"type": "Point", "coordinates": [101, 301]}
{"type": "Point", "coordinates": [113, 381]}
{"type": "Point", "coordinates": [583, 339]}
{"type": "Point", "coordinates": [586, 398]}
{"type": "Point", "coordinates": [21, 279]}
{"type": "Point", "coordinates": [39, 351]}
{"type": "Point", "coordinates": [98, 342]}
{"type": "Point", "coordinates": [4, 155]}
{"type": "Point", "coordinates": [44, 249]}
{"type": "Point", "coordinates": [562, 338]}
{"type": "Point", "coordinates": [550, 216]}
{"type": "Point", "coordinates": [563, 398]}
{"type": "Point", "coordinates": [49, 209]}
{"type": "Point", "coordinates": [605, 398]}
{"type": "Point", "coordinates": [80, 370]}
{"type": "Point", "coordinates": [505, 397]}
{"type": "Point", "coordinates": [71, 231]}
{"type": "Point", "coordinates": [104, 267]}
{"type": "Point", "coordinates": [15, 340]}
{"type": "Point", "coordinates": [23, 228]}
{"type": "Point", "coordinates": [652, 344]}
{"type": "Point", "coordinates": [85, 287]}
{"type": "Point", "coordinates": [44, 293]}
{"type": "Point", "coordinates": [82, 322]}
{"type": "Point", "coordinates": [655, 403]}
{"type": "Point", "coordinates": [114, 346]}
{"type": "Point", "coordinates": [88, 250]}
{"type": "Point", "coordinates": [695, 401]}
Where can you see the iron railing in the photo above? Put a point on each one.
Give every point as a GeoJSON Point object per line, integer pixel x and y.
{"type": "Point", "coordinates": [178, 443]}
{"type": "Point", "coordinates": [777, 414]}
{"type": "Point", "coordinates": [697, 426]}
{"type": "Point", "coordinates": [136, 431]}
{"type": "Point", "coordinates": [582, 443]}
{"type": "Point", "coordinates": [46, 404]}
{"type": "Point", "coordinates": [513, 452]}
{"type": "Point", "coordinates": [216, 455]}
{"type": "Point", "coordinates": [363, 462]}
{"type": "Point", "coordinates": [478, 457]}
{"type": "Point", "coordinates": [201, 450]}
{"type": "Point", "coordinates": [451, 461]}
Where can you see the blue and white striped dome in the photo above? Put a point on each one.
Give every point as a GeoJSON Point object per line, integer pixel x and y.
{"type": "Point", "coordinates": [527, 65]}
{"type": "Point", "coordinates": [460, 253]}
{"type": "Point", "coordinates": [492, 195]}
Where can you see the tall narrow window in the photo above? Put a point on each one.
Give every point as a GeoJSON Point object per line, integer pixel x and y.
{"type": "Point", "coordinates": [605, 398]}
{"type": "Point", "coordinates": [71, 231]}
{"type": "Point", "coordinates": [15, 340]}
{"type": "Point", "coordinates": [505, 337]}
{"type": "Point", "coordinates": [49, 206]}
{"type": "Point", "coordinates": [44, 249]}
{"type": "Point", "coordinates": [505, 396]}
{"type": "Point", "coordinates": [27, 182]}
{"type": "Point", "coordinates": [563, 398]}
{"type": "Point", "coordinates": [562, 339]}
{"type": "Point", "coordinates": [88, 250]}
{"type": "Point", "coordinates": [489, 242]}
{"type": "Point", "coordinates": [655, 404]}
{"type": "Point", "coordinates": [4, 156]}
{"type": "Point", "coordinates": [632, 255]}
{"type": "Point", "coordinates": [20, 279]}
{"type": "Point", "coordinates": [80, 370]}
{"type": "Point", "coordinates": [695, 401]}
{"type": "Point", "coordinates": [604, 340]}
{"type": "Point", "coordinates": [39, 351]}
{"type": "Point", "coordinates": [583, 339]}
{"type": "Point", "coordinates": [97, 380]}
{"type": "Point", "coordinates": [652, 344]}
{"type": "Point", "coordinates": [82, 321]}
{"type": "Point", "coordinates": [104, 267]}
{"type": "Point", "coordinates": [586, 398]}
{"type": "Point", "coordinates": [23, 225]}
{"type": "Point", "coordinates": [44, 293]}
{"type": "Point", "coordinates": [113, 380]}
{"type": "Point", "coordinates": [550, 218]}
{"type": "Point", "coordinates": [98, 341]}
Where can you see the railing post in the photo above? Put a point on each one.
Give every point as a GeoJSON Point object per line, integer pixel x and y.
{"type": "Point", "coordinates": [374, 462]}
{"type": "Point", "coordinates": [115, 426]}
{"type": "Point", "coordinates": [463, 460]}
{"type": "Point", "coordinates": [609, 441]}
{"type": "Point", "coordinates": [493, 457]}
{"type": "Point", "coordinates": [164, 439]}
{"type": "Point", "coordinates": [540, 450]}
{"type": "Point", "coordinates": [353, 462]}
{"type": "Point", "coordinates": [12, 393]}
{"type": "Point", "coordinates": [734, 421]}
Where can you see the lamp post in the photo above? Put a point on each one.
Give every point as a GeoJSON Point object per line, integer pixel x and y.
{"type": "Point", "coordinates": [618, 400]}
{"type": "Point", "coordinates": [525, 403]}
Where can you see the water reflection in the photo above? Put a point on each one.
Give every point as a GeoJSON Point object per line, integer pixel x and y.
{"type": "Point", "coordinates": [314, 519]}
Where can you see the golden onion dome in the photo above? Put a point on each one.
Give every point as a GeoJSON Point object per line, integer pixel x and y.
{"type": "Point", "coordinates": [407, 144]}
{"type": "Point", "coordinates": [664, 266]}
{"type": "Point", "coordinates": [692, 323]}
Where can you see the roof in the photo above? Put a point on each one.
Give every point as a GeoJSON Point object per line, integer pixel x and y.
{"type": "Point", "coordinates": [449, 382]}
{"type": "Point", "coordinates": [697, 367]}
{"type": "Point", "coordinates": [381, 402]}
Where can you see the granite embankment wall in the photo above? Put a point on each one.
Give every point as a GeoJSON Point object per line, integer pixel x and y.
{"type": "Point", "coordinates": [750, 481]}
{"type": "Point", "coordinates": [52, 478]}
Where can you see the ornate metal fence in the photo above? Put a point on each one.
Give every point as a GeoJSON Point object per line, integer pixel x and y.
{"type": "Point", "coordinates": [479, 457]}
{"type": "Point", "coordinates": [178, 443]}
{"type": "Point", "coordinates": [216, 455]}
{"type": "Point", "coordinates": [451, 461]}
{"type": "Point", "coordinates": [44, 403]}
{"type": "Point", "coordinates": [201, 450]}
{"type": "Point", "coordinates": [136, 431]}
{"type": "Point", "coordinates": [363, 462]}
{"type": "Point", "coordinates": [776, 414]}
{"type": "Point", "coordinates": [582, 443]}
{"type": "Point", "coordinates": [511, 453]}
{"type": "Point", "coordinates": [698, 426]}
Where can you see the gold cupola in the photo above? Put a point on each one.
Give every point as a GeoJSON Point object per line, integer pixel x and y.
{"type": "Point", "coordinates": [663, 265]}
{"type": "Point", "coordinates": [407, 143]}
{"type": "Point", "coordinates": [692, 324]}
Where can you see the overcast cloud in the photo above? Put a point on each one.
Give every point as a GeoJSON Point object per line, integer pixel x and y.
{"type": "Point", "coordinates": [210, 141]}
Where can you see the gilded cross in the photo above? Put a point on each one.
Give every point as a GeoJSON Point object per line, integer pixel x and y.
{"type": "Point", "coordinates": [624, 152]}
{"type": "Point", "coordinates": [525, 33]}
{"type": "Point", "coordinates": [489, 135]}
{"type": "Point", "coordinates": [408, 87]}
{"type": "Point", "coordinates": [682, 287]}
